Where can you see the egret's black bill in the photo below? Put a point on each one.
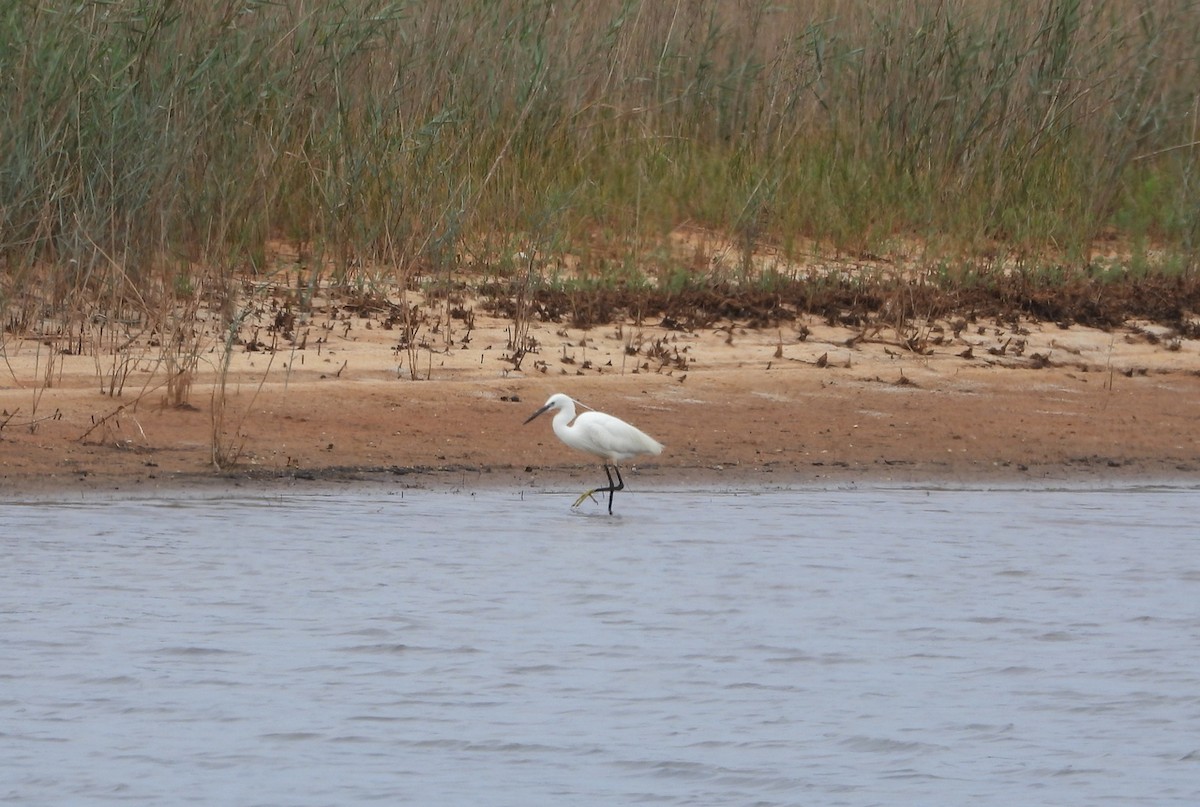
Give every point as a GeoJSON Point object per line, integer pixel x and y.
{"type": "Point", "coordinates": [535, 414]}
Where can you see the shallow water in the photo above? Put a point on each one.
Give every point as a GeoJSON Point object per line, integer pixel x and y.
{"type": "Point", "coordinates": [849, 646]}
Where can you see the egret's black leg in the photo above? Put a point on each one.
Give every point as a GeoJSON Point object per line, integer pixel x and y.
{"type": "Point", "coordinates": [612, 489]}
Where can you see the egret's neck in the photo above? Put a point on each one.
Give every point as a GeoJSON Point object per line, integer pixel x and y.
{"type": "Point", "coordinates": [562, 420]}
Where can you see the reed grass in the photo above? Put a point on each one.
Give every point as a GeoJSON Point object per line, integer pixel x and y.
{"type": "Point", "coordinates": [154, 151]}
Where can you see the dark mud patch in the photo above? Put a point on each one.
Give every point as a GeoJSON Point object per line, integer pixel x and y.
{"type": "Point", "coordinates": [1081, 298]}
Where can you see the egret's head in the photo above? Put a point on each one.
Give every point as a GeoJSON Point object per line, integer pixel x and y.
{"type": "Point", "coordinates": [556, 401]}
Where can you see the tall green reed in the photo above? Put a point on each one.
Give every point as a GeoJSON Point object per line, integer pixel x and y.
{"type": "Point", "coordinates": [388, 139]}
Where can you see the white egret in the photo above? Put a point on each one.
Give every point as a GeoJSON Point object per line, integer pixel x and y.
{"type": "Point", "coordinates": [604, 436]}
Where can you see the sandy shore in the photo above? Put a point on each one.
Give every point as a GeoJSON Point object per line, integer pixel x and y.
{"type": "Point", "coordinates": [806, 403]}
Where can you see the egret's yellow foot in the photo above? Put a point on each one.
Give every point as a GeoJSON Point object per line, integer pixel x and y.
{"type": "Point", "coordinates": [586, 495]}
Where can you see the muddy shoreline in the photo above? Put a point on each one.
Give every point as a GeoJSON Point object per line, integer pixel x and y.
{"type": "Point", "coordinates": [737, 428]}
{"type": "Point", "coordinates": [803, 402]}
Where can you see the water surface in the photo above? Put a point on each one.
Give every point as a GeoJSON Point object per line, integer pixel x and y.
{"type": "Point", "coordinates": [854, 646]}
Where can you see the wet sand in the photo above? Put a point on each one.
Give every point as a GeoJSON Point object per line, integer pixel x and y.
{"type": "Point", "coordinates": [804, 403]}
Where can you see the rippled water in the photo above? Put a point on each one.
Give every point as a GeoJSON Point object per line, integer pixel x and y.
{"type": "Point", "coordinates": [813, 647]}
